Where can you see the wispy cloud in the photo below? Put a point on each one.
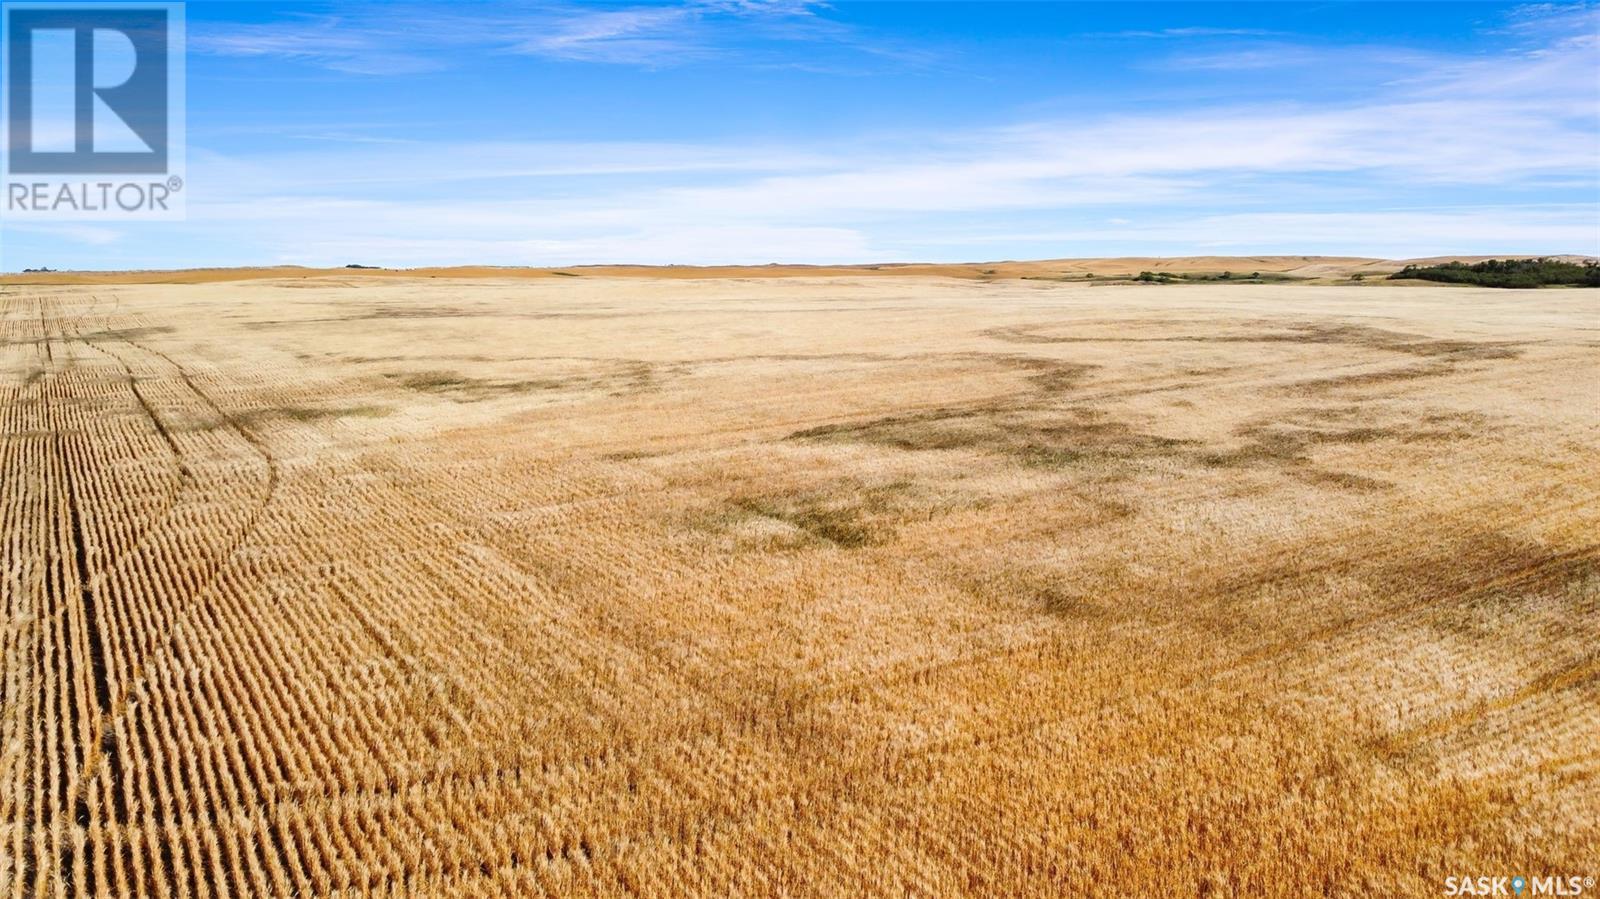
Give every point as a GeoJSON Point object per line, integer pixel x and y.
{"type": "Point", "coordinates": [400, 39]}
{"type": "Point", "coordinates": [1378, 232]}
{"type": "Point", "coordinates": [1193, 31]}
{"type": "Point", "coordinates": [335, 42]}
{"type": "Point", "coordinates": [1561, 32]}
{"type": "Point", "coordinates": [1262, 55]}
{"type": "Point", "coordinates": [642, 35]}
{"type": "Point", "coordinates": [874, 198]}
{"type": "Point", "coordinates": [1370, 172]}
{"type": "Point", "coordinates": [1561, 24]}
{"type": "Point", "coordinates": [92, 235]}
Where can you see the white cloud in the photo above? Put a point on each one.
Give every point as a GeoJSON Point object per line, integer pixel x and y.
{"type": "Point", "coordinates": [1122, 160]}
{"type": "Point", "coordinates": [644, 35]}
{"type": "Point", "coordinates": [645, 246]}
{"type": "Point", "coordinates": [1377, 232]}
{"type": "Point", "coordinates": [89, 235]}
{"type": "Point", "coordinates": [1249, 178]}
{"type": "Point", "coordinates": [1193, 31]}
{"type": "Point", "coordinates": [398, 39]}
{"type": "Point", "coordinates": [334, 42]}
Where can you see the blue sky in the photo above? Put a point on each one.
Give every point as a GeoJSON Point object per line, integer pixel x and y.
{"type": "Point", "coordinates": [407, 134]}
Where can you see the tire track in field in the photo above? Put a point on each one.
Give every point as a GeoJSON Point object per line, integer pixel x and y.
{"type": "Point", "coordinates": [71, 806]}
{"type": "Point", "coordinates": [1403, 743]}
{"type": "Point", "coordinates": [179, 457]}
{"type": "Point", "coordinates": [1022, 729]}
{"type": "Point", "coordinates": [101, 758]}
{"type": "Point", "coordinates": [75, 807]}
{"type": "Point", "coordinates": [1528, 572]}
{"type": "Point", "coordinates": [187, 608]}
{"type": "Point", "coordinates": [101, 745]}
{"type": "Point", "coordinates": [30, 840]}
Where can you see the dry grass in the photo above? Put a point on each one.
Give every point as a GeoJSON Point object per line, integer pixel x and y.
{"type": "Point", "coordinates": [811, 587]}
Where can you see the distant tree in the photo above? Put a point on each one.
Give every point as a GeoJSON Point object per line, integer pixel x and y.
{"type": "Point", "coordinates": [1513, 273]}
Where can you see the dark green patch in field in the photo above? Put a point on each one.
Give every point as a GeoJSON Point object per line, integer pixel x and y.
{"type": "Point", "coordinates": [1007, 423]}
{"type": "Point", "coordinates": [1344, 480]}
{"type": "Point", "coordinates": [434, 381]}
{"type": "Point", "coordinates": [1313, 334]}
{"type": "Point", "coordinates": [313, 413]}
{"type": "Point", "coordinates": [1060, 438]}
{"type": "Point", "coordinates": [848, 515]}
{"type": "Point", "coordinates": [1058, 600]}
{"type": "Point", "coordinates": [126, 334]}
{"type": "Point", "coordinates": [1495, 577]}
{"type": "Point", "coordinates": [841, 526]}
{"type": "Point", "coordinates": [467, 389]}
{"type": "Point", "coordinates": [1037, 427]}
{"type": "Point", "coordinates": [302, 414]}
{"type": "Point", "coordinates": [937, 429]}
{"type": "Point", "coordinates": [1288, 444]}
{"type": "Point", "coordinates": [619, 379]}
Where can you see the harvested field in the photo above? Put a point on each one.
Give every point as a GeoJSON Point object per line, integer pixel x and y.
{"type": "Point", "coordinates": [885, 586]}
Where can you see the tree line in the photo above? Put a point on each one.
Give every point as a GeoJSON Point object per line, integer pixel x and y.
{"type": "Point", "coordinates": [1508, 273]}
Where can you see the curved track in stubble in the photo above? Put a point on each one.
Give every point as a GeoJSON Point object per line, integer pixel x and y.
{"type": "Point", "coordinates": [66, 387]}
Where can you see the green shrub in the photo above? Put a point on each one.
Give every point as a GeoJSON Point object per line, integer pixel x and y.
{"type": "Point", "coordinates": [1507, 273]}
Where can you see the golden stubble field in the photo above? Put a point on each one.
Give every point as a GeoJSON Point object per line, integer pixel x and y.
{"type": "Point", "coordinates": [795, 587]}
